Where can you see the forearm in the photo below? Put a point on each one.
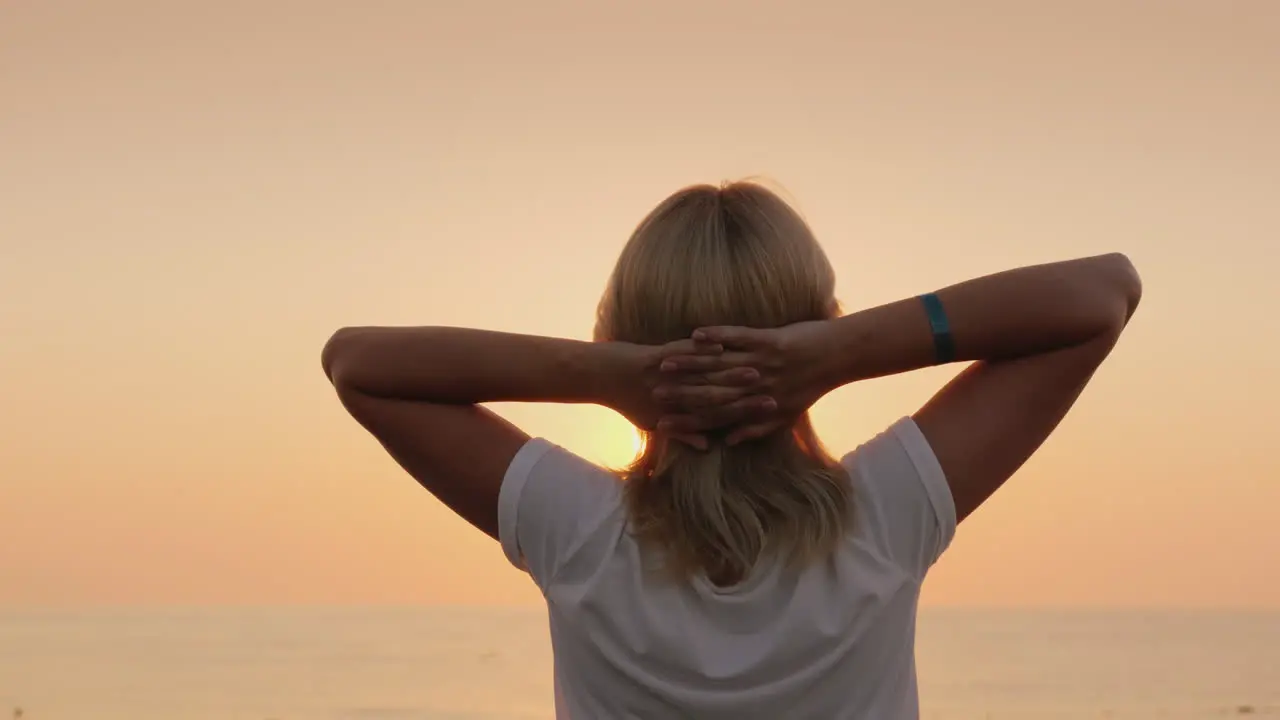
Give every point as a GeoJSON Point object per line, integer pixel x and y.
{"type": "Point", "coordinates": [1012, 314]}
{"type": "Point", "coordinates": [462, 366]}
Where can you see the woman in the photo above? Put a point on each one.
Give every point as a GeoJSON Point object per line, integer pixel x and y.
{"type": "Point", "coordinates": [736, 570]}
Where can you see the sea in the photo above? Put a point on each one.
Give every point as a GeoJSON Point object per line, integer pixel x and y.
{"type": "Point", "coordinates": [486, 663]}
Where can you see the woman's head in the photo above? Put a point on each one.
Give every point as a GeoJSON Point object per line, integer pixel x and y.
{"type": "Point", "coordinates": [733, 255]}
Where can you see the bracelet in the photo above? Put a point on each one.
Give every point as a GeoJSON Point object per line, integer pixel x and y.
{"type": "Point", "coordinates": [944, 346]}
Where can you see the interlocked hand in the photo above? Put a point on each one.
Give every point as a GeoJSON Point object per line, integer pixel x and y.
{"type": "Point", "coordinates": [750, 381]}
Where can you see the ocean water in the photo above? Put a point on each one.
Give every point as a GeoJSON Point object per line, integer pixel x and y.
{"type": "Point", "coordinates": [487, 663]}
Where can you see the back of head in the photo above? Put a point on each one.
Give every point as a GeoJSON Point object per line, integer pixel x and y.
{"type": "Point", "coordinates": [733, 255]}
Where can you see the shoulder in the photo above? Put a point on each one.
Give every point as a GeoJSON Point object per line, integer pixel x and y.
{"type": "Point", "coordinates": [551, 501]}
{"type": "Point", "coordinates": [901, 495]}
{"type": "Point", "coordinates": [897, 457]}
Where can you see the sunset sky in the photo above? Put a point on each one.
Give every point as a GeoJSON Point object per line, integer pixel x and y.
{"type": "Point", "coordinates": [193, 196]}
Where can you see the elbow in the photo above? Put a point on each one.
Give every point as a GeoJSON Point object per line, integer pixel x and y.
{"type": "Point", "coordinates": [339, 347]}
{"type": "Point", "coordinates": [1123, 287]}
{"type": "Point", "coordinates": [1134, 286]}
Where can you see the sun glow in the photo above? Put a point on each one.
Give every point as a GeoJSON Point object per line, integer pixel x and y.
{"type": "Point", "coordinates": [601, 436]}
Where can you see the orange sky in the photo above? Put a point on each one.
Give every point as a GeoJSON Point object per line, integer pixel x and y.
{"type": "Point", "coordinates": [193, 196]}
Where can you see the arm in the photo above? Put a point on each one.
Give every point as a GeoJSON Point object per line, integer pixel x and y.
{"type": "Point", "coordinates": [417, 391]}
{"type": "Point", "coordinates": [1037, 333]}
{"type": "Point", "coordinates": [1018, 313]}
{"type": "Point", "coordinates": [462, 366]}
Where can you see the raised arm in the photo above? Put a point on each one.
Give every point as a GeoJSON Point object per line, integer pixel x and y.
{"type": "Point", "coordinates": [417, 390]}
{"type": "Point", "coordinates": [1037, 333]}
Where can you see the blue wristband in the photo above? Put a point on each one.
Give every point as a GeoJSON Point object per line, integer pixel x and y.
{"type": "Point", "coordinates": [944, 347]}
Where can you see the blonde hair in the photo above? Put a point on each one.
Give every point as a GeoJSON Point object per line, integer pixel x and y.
{"type": "Point", "coordinates": [731, 255]}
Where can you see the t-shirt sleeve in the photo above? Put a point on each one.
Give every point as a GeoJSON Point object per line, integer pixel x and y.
{"type": "Point", "coordinates": [551, 501]}
{"type": "Point", "coordinates": [904, 497]}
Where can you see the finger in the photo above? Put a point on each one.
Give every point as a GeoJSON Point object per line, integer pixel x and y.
{"type": "Point", "coordinates": [693, 363]}
{"type": "Point", "coordinates": [733, 336]}
{"type": "Point", "coordinates": [734, 377]}
{"type": "Point", "coordinates": [684, 424]}
{"type": "Point", "coordinates": [751, 406]}
{"type": "Point", "coordinates": [696, 441]}
{"type": "Point", "coordinates": [704, 363]}
{"type": "Point", "coordinates": [707, 347]}
{"type": "Point", "coordinates": [740, 411]}
{"type": "Point", "coordinates": [753, 432]}
{"type": "Point", "coordinates": [744, 377]}
{"type": "Point", "coordinates": [689, 346]}
{"type": "Point", "coordinates": [696, 397]}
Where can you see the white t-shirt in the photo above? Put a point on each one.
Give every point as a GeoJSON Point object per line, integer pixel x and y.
{"type": "Point", "coordinates": [834, 641]}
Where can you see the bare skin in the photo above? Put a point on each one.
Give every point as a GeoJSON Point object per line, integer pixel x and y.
{"type": "Point", "coordinates": [419, 392]}
{"type": "Point", "coordinates": [1035, 336]}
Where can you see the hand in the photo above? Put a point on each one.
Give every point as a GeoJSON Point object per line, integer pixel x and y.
{"type": "Point", "coordinates": [632, 374]}
{"type": "Point", "coordinates": [788, 365]}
